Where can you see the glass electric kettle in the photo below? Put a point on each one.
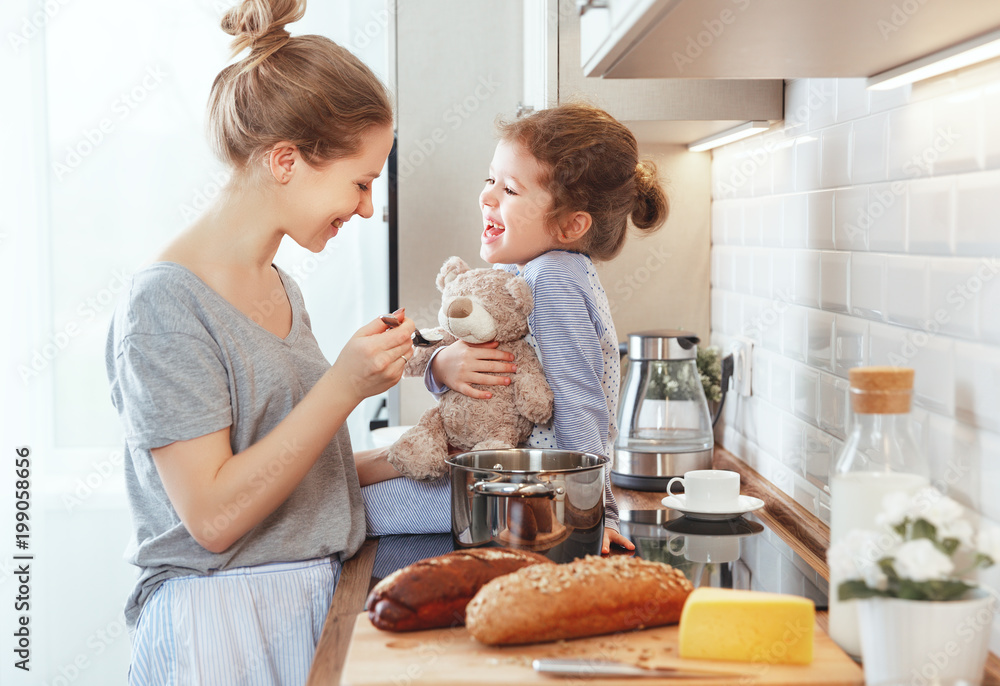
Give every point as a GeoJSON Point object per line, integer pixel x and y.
{"type": "Point", "coordinates": [664, 425]}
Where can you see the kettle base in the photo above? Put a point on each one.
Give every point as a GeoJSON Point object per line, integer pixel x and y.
{"type": "Point", "coordinates": [644, 471]}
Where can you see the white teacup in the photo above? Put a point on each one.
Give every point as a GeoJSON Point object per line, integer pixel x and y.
{"type": "Point", "coordinates": [709, 490]}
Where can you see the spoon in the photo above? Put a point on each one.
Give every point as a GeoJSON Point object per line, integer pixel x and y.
{"type": "Point", "coordinates": [418, 338]}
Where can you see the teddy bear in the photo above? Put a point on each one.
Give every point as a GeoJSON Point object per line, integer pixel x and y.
{"type": "Point", "coordinates": [477, 306]}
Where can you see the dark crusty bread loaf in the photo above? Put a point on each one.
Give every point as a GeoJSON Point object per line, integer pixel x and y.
{"type": "Point", "coordinates": [433, 593]}
{"type": "Point", "coordinates": [585, 597]}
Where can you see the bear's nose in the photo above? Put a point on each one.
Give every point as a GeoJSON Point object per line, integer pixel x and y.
{"type": "Point", "coordinates": [459, 308]}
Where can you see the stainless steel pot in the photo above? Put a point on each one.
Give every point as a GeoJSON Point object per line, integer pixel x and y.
{"type": "Point", "coordinates": [546, 501]}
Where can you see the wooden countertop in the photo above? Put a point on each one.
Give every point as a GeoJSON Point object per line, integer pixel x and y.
{"type": "Point", "coordinates": [795, 525]}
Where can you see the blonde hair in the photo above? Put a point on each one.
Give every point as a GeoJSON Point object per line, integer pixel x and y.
{"type": "Point", "coordinates": [591, 162]}
{"type": "Point", "coordinates": [303, 89]}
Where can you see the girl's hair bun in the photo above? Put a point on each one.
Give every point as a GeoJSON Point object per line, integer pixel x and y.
{"type": "Point", "coordinates": [651, 204]}
{"type": "Point", "coordinates": [260, 25]}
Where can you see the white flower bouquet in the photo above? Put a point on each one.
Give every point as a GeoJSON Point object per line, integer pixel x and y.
{"type": "Point", "coordinates": [926, 550]}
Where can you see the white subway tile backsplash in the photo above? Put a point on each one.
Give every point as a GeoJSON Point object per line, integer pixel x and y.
{"type": "Point", "coordinates": [958, 132]}
{"type": "Point", "coordinates": [724, 256]}
{"type": "Point", "coordinates": [867, 285]}
{"type": "Point", "coordinates": [852, 99]}
{"type": "Point", "coordinates": [849, 208]}
{"type": "Point", "coordinates": [991, 132]}
{"type": "Point", "coordinates": [807, 276]}
{"type": "Point", "coordinates": [933, 362]}
{"type": "Point", "coordinates": [781, 383]}
{"type": "Point", "coordinates": [795, 220]}
{"type": "Point", "coordinates": [850, 347]}
{"type": "Point", "coordinates": [820, 217]}
{"type": "Point", "coordinates": [835, 269]}
{"type": "Point", "coordinates": [989, 299]}
{"type": "Point", "coordinates": [885, 345]}
{"type": "Point", "coordinates": [792, 444]}
{"type": "Point", "coordinates": [929, 226]}
{"type": "Point", "coordinates": [805, 398]}
{"type": "Point", "coordinates": [906, 290]}
{"type": "Point", "coordinates": [883, 101]}
{"type": "Point", "coordinates": [783, 165]}
{"type": "Point", "coordinates": [833, 393]}
{"type": "Point", "coordinates": [718, 223]}
{"type": "Point", "coordinates": [911, 141]}
{"type": "Point", "coordinates": [771, 221]}
{"type": "Point", "coordinates": [865, 233]}
{"type": "Point", "coordinates": [807, 163]}
{"type": "Point", "coordinates": [793, 324]}
{"type": "Point", "coordinates": [819, 337]}
{"type": "Point", "coordinates": [952, 305]}
{"type": "Point", "coordinates": [868, 157]}
{"type": "Point", "coordinates": [762, 272]}
{"type": "Point", "coordinates": [822, 103]}
{"type": "Point", "coordinates": [977, 385]}
{"type": "Point", "coordinates": [743, 270]}
{"type": "Point", "coordinates": [752, 222]}
{"type": "Point", "coordinates": [835, 151]}
{"type": "Point", "coordinates": [977, 208]}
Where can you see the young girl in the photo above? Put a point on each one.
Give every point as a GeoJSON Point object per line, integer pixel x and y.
{"type": "Point", "coordinates": [244, 492]}
{"type": "Point", "coordinates": [561, 188]}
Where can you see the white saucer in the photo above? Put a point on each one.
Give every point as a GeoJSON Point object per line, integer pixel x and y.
{"type": "Point", "coordinates": [745, 504]}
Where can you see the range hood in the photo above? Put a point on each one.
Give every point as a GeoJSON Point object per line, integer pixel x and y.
{"type": "Point", "coordinates": [772, 39]}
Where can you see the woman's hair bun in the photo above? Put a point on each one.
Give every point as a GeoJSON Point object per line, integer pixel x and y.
{"type": "Point", "coordinates": [260, 25]}
{"type": "Point", "coordinates": [651, 204]}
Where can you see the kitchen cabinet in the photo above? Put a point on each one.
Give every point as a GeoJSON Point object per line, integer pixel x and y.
{"type": "Point", "coordinates": [771, 39]}
{"type": "Point", "coordinates": [675, 111]}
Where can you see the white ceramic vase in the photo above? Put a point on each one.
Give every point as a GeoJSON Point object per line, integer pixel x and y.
{"type": "Point", "coordinates": [925, 643]}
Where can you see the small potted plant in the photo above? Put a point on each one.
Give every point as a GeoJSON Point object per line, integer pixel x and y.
{"type": "Point", "coordinates": [922, 617]}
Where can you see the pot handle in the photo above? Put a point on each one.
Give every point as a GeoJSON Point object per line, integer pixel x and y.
{"type": "Point", "coordinates": [505, 489]}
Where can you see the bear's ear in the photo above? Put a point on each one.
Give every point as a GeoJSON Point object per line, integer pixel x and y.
{"type": "Point", "coordinates": [521, 292]}
{"type": "Point", "coordinates": [452, 267]}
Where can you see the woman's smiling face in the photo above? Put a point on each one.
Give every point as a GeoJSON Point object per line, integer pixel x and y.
{"type": "Point", "coordinates": [514, 206]}
{"type": "Point", "coordinates": [328, 196]}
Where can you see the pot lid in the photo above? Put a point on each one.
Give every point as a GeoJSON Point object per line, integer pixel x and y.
{"type": "Point", "coordinates": [663, 344]}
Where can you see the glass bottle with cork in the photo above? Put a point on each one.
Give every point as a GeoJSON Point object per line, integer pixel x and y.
{"type": "Point", "coordinates": [880, 456]}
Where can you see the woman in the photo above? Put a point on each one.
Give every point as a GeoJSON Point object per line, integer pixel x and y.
{"type": "Point", "coordinates": [243, 489]}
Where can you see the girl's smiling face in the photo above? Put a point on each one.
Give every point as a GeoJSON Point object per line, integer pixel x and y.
{"type": "Point", "coordinates": [514, 206]}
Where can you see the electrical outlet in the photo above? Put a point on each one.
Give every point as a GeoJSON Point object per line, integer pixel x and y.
{"type": "Point", "coordinates": [742, 365]}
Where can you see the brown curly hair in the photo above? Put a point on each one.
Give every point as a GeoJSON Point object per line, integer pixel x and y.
{"type": "Point", "coordinates": [591, 162]}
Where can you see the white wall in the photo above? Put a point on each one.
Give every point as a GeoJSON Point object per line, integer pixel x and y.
{"type": "Point", "coordinates": [863, 230]}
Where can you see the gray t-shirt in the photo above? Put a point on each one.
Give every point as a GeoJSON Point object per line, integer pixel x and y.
{"type": "Point", "coordinates": [184, 362]}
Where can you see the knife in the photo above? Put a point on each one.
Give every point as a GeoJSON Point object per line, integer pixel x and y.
{"type": "Point", "coordinates": [596, 668]}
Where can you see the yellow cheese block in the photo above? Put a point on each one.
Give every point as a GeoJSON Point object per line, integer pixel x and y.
{"type": "Point", "coordinates": [747, 626]}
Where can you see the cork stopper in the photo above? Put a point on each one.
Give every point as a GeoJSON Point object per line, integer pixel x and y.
{"type": "Point", "coordinates": [881, 390]}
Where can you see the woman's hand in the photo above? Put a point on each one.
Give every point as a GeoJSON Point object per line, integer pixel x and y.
{"type": "Point", "coordinates": [612, 536]}
{"type": "Point", "coordinates": [372, 360]}
{"type": "Point", "coordinates": [462, 364]}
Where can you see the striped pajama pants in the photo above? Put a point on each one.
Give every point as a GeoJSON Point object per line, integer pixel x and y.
{"type": "Point", "coordinates": [259, 626]}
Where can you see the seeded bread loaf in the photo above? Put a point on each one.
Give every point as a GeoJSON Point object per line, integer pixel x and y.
{"type": "Point", "coordinates": [433, 593]}
{"type": "Point", "coordinates": [585, 597]}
